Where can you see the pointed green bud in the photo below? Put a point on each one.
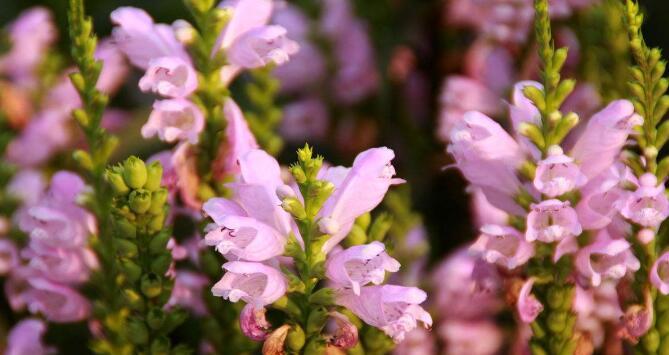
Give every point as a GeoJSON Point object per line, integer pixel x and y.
{"type": "Point", "coordinates": [131, 271]}
{"type": "Point", "coordinates": [139, 201]}
{"type": "Point", "coordinates": [364, 220]}
{"type": "Point", "coordinates": [133, 299]}
{"type": "Point", "coordinates": [651, 341]}
{"type": "Point", "coordinates": [137, 332]}
{"type": "Point", "coordinates": [288, 306]}
{"type": "Point", "coordinates": [380, 227]}
{"type": "Point", "coordinates": [83, 159]}
{"type": "Point", "coordinates": [161, 346]}
{"type": "Point", "coordinates": [563, 90]}
{"type": "Point", "coordinates": [109, 145]}
{"type": "Point", "coordinates": [356, 236]}
{"type": "Point", "coordinates": [158, 200]}
{"type": "Point", "coordinates": [535, 95]}
{"type": "Point", "coordinates": [78, 81]}
{"type": "Point", "coordinates": [527, 169]}
{"type": "Point", "coordinates": [125, 248]}
{"type": "Point", "coordinates": [650, 153]}
{"type": "Point", "coordinates": [157, 222]}
{"type": "Point", "coordinates": [81, 117]}
{"type": "Point", "coordinates": [134, 172]}
{"type": "Point", "coordinates": [305, 154]}
{"type": "Point", "coordinates": [533, 132]}
{"type": "Point", "coordinates": [161, 264]}
{"type": "Point", "coordinates": [293, 206]}
{"type": "Point", "coordinates": [295, 339]}
{"type": "Point", "coordinates": [324, 297]}
{"type": "Point", "coordinates": [312, 167]}
{"type": "Point", "coordinates": [154, 176]}
{"type": "Point", "coordinates": [151, 285]}
{"type": "Point", "coordinates": [661, 110]}
{"type": "Point", "coordinates": [316, 320]}
{"type": "Point", "coordinates": [155, 318]}
{"type": "Point", "coordinates": [557, 321]}
{"type": "Point", "coordinates": [298, 174]}
{"type": "Point", "coordinates": [115, 180]}
{"type": "Point", "coordinates": [158, 243]}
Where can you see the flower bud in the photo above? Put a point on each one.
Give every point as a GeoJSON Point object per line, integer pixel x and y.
{"type": "Point", "coordinates": [83, 159]}
{"type": "Point", "coordinates": [131, 270]}
{"type": "Point", "coordinates": [323, 297]}
{"type": "Point", "coordinates": [137, 332]}
{"type": "Point", "coordinates": [637, 320]}
{"type": "Point", "coordinates": [158, 200]}
{"type": "Point", "coordinates": [285, 191]}
{"type": "Point", "coordinates": [154, 176]}
{"type": "Point", "coordinates": [125, 248]}
{"type": "Point", "coordinates": [328, 225]}
{"type": "Point", "coordinates": [126, 229]}
{"type": "Point", "coordinates": [293, 206]}
{"type": "Point", "coordinates": [298, 174]}
{"type": "Point", "coordinates": [155, 318]}
{"type": "Point", "coordinates": [161, 264]}
{"type": "Point", "coordinates": [364, 220]}
{"type": "Point", "coordinates": [253, 323]}
{"type": "Point", "coordinates": [645, 236]}
{"type": "Point", "coordinates": [295, 339]}
{"type": "Point", "coordinates": [115, 180]}
{"type": "Point", "coordinates": [356, 236]}
{"type": "Point", "coordinates": [273, 345]}
{"type": "Point", "coordinates": [346, 334]}
{"type": "Point", "coordinates": [184, 32]}
{"type": "Point", "coordinates": [140, 201]}
{"type": "Point", "coordinates": [316, 320]}
{"type": "Point", "coordinates": [158, 243]}
{"type": "Point", "coordinates": [151, 285]}
{"type": "Point", "coordinates": [134, 172]}
{"type": "Point", "coordinates": [161, 345]}
{"type": "Point", "coordinates": [133, 299]}
{"type": "Point", "coordinates": [157, 222]}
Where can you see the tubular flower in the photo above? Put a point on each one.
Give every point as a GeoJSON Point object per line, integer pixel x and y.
{"type": "Point", "coordinates": [503, 245]}
{"type": "Point", "coordinates": [550, 221]}
{"type": "Point", "coordinates": [254, 283]}
{"type": "Point", "coordinates": [359, 265]}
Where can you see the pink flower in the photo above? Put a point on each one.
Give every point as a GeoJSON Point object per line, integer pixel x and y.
{"type": "Point", "coordinates": [142, 40]}
{"type": "Point", "coordinates": [601, 197]}
{"type": "Point", "coordinates": [460, 94]}
{"type": "Point", "coordinates": [393, 309]}
{"type": "Point", "coordinates": [26, 338]}
{"type": "Point", "coordinates": [551, 221]}
{"type": "Point", "coordinates": [305, 69]}
{"type": "Point", "coordinates": [27, 185]}
{"type": "Point", "coordinates": [482, 211]}
{"type": "Point", "coordinates": [471, 337]}
{"type": "Point", "coordinates": [659, 274]}
{"type": "Point", "coordinates": [417, 341]}
{"type": "Point", "coordinates": [557, 174]}
{"type": "Point", "coordinates": [254, 283]}
{"type": "Point", "coordinates": [70, 266]}
{"type": "Point", "coordinates": [244, 238]}
{"type": "Point", "coordinates": [528, 306]}
{"type": "Point", "coordinates": [47, 133]}
{"type": "Point", "coordinates": [239, 141]}
{"type": "Point", "coordinates": [175, 119]}
{"type": "Point", "coordinates": [253, 323]}
{"type": "Point", "coordinates": [488, 157]}
{"type": "Point", "coordinates": [604, 136]}
{"type": "Point", "coordinates": [9, 256]}
{"type": "Point", "coordinates": [170, 77]}
{"type": "Point", "coordinates": [305, 119]}
{"type": "Point", "coordinates": [346, 333]}
{"type": "Point", "coordinates": [114, 69]}
{"type": "Point", "coordinates": [363, 188]}
{"type": "Point", "coordinates": [637, 320]}
{"type": "Point", "coordinates": [187, 292]}
{"type": "Point", "coordinates": [31, 35]}
{"type": "Point", "coordinates": [648, 205]}
{"type": "Point", "coordinates": [360, 265]}
{"type": "Point", "coordinates": [490, 64]}
{"type": "Point", "coordinates": [502, 245]}
{"type": "Point", "coordinates": [183, 163]}
{"type": "Point", "coordinates": [606, 258]}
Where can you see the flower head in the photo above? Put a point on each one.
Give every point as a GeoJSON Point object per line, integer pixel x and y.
{"type": "Point", "coordinates": [175, 119]}
{"type": "Point", "coordinates": [503, 245]}
{"type": "Point", "coordinates": [648, 206]}
{"type": "Point", "coordinates": [359, 265]}
{"type": "Point", "coordinates": [254, 283]}
{"type": "Point", "coordinates": [528, 306]}
{"type": "Point", "coordinates": [606, 258]}
{"type": "Point", "coordinates": [557, 174]}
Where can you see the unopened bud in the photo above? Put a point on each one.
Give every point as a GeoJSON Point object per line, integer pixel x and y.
{"type": "Point", "coordinates": [285, 191]}
{"type": "Point", "coordinates": [139, 201]}
{"type": "Point", "coordinates": [298, 174]}
{"type": "Point", "coordinates": [154, 176]}
{"type": "Point", "coordinates": [184, 32]}
{"type": "Point", "coordinates": [253, 323]}
{"type": "Point", "coordinates": [293, 206]}
{"type": "Point", "coordinates": [645, 236]}
{"type": "Point", "coordinates": [115, 180]}
{"type": "Point", "coordinates": [137, 331]}
{"type": "Point", "coordinates": [295, 339]}
{"type": "Point", "coordinates": [151, 285]}
{"type": "Point", "coordinates": [158, 200]}
{"type": "Point", "coordinates": [134, 172]}
{"type": "Point", "coordinates": [346, 334]}
{"type": "Point", "coordinates": [83, 159]}
{"type": "Point", "coordinates": [328, 225]}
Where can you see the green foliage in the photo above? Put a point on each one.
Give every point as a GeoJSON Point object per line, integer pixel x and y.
{"type": "Point", "coordinates": [264, 114]}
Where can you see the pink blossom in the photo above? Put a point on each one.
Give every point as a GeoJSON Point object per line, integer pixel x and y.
{"type": "Point", "coordinates": [254, 283]}
{"type": "Point", "coordinates": [393, 309]}
{"type": "Point", "coordinates": [306, 68]}
{"type": "Point", "coordinates": [9, 256]}
{"type": "Point", "coordinates": [47, 133]}
{"type": "Point", "coordinates": [305, 119]}
{"type": "Point", "coordinates": [648, 205]}
{"type": "Point", "coordinates": [27, 185]}
{"type": "Point", "coordinates": [528, 306]}
{"type": "Point", "coordinates": [490, 64]}
{"type": "Point", "coordinates": [261, 46]}
{"type": "Point", "coordinates": [63, 265]}
{"type": "Point", "coordinates": [114, 69]}
{"type": "Point", "coordinates": [356, 76]}
{"type": "Point", "coordinates": [253, 323]}
{"type": "Point", "coordinates": [187, 292]}
{"type": "Point", "coordinates": [170, 77]}
{"type": "Point", "coordinates": [488, 157]}
{"type": "Point", "coordinates": [605, 258]}
{"type": "Point", "coordinates": [601, 196]}
{"type": "Point", "coordinates": [637, 320]}
{"type": "Point", "coordinates": [557, 174]}
{"type": "Point", "coordinates": [471, 337]}
{"type": "Point", "coordinates": [460, 94]}
{"type": "Point", "coordinates": [659, 274]}
{"type": "Point", "coordinates": [360, 265]}
{"type": "Point", "coordinates": [503, 245]}
{"type": "Point", "coordinates": [606, 133]}
{"type": "Point", "coordinates": [346, 333]}
{"type": "Point", "coordinates": [363, 188]}
{"type": "Point", "coordinates": [239, 140]}
{"type": "Point", "coordinates": [417, 341]}
{"type": "Point", "coordinates": [26, 338]}
{"type": "Point", "coordinates": [244, 238]}
{"type": "Point", "coordinates": [551, 221]}
{"type": "Point", "coordinates": [31, 34]}
{"type": "Point", "coordinates": [142, 40]}
{"type": "Point", "coordinates": [483, 212]}
{"type": "Point", "coordinates": [183, 163]}
{"type": "Point", "coordinates": [596, 308]}
{"type": "Point", "coordinates": [174, 119]}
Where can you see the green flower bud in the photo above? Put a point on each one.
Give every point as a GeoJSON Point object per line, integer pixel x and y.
{"type": "Point", "coordinates": [133, 299]}
{"type": "Point", "coordinates": [140, 201]}
{"type": "Point", "coordinates": [131, 271]}
{"type": "Point", "coordinates": [137, 332]}
{"type": "Point", "coordinates": [83, 159]}
{"type": "Point", "coordinates": [160, 346]}
{"type": "Point", "coordinates": [380, 227]}
{"type": "Point", "coordinates": [298, 174]}
{"type": "Point", "coordinates": [115, 180]}
{"type": "Point", "coordinates": [174, 319]}
{"type": "Point", "coordinates": [293, 206]}
{"type": "Point", "coordinates": [157, 222]}
{"type": "Point", "coordinates": [155, 318]}
{"type": "Point", "coordinates": [557, 321]}
{"type": "Point", "coordinates": [651, 341]}
{"type": "Point", "coordinates": [158, 200]}
{"type": "Point", "coordinates": [364, 220]}
{"type": "Point", "coordinates": [151, 285]}
{"type": "Point", "coordinates": [154, 176]}
{"type": "Point", "coordinates": [315, 346]}
{"type": "Point", "coordinates": [323, 297]}
{"type": "Point", "coordinates": [316, 320]}
{"type": "Point", "coordinates": [158, 243]}
{"type": "Point", "coordinates": [161, 264]}
{"type": "Point", "coordinates": [305, 154]}
{"type": "Point", "coordinates": [356, 236]}
{"type": "Point", "coordinates": [134, 172]}
{"type": "Point", "coordinates": [125, 229]}
{"type": "Point", "coordinates": [295, 339]}
{"type": "Point", "coordinates": [286, 305]}
{"type": "Point", "coordinates": [125, 248]}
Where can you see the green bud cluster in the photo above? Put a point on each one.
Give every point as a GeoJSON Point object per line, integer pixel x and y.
{"type": "Point", "coordinates": [553, 330]}
{"type": "Point", "coordinates": [264, 114]}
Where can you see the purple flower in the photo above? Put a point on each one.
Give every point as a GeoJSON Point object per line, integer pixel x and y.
{"type": "Point", "coordinates": [28, 186]}
{"type": "Point", "coordinates": [471, 337]}
{"type": "Point", "coordinates": [187, 292]}
{"type": "Point", "coordinates": [393, 309]}
{"type": "Point", "coordinates": [528, 306]}
{"type": "Point", "coordinates": [26, 338]}
{"type": "Point", "coordinates": [253, 323]}
{"type": "Point", "coordinates": [142, 40]}
{"type": "Point", "coordinates": [170, 77]}
{"type": "Point", "coordinates": [244, 238]}
{"type": "Point", "coordinates": [659, 274]}
{"type": "Point", "coordinates": [254, 283]}
{"type": "Point", "coordinates": [503, 245]}
{"type": "Point", "coordinates": [606, 258]}
{"type": "Point", "coordinates": [648, 205]}
{"type": "Point", "coordinates": [239, 141]}
{"type": "Point", "coordinates": [551, 221]}
{"type": "Point", "coordinates": [601, 197]}
{"type": "Point", "coordinates": [557, 174]}
{"type": "Point", "coordinates": [9, 256]}
{"type": "Point", "coordinates": [175, 119]}
{"type": "Point", "coordinates": [346, 333]}
{"type": "Point", "coordinates": [360, 265]}
{"type": "Point", "coordinates": [304, 119]}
